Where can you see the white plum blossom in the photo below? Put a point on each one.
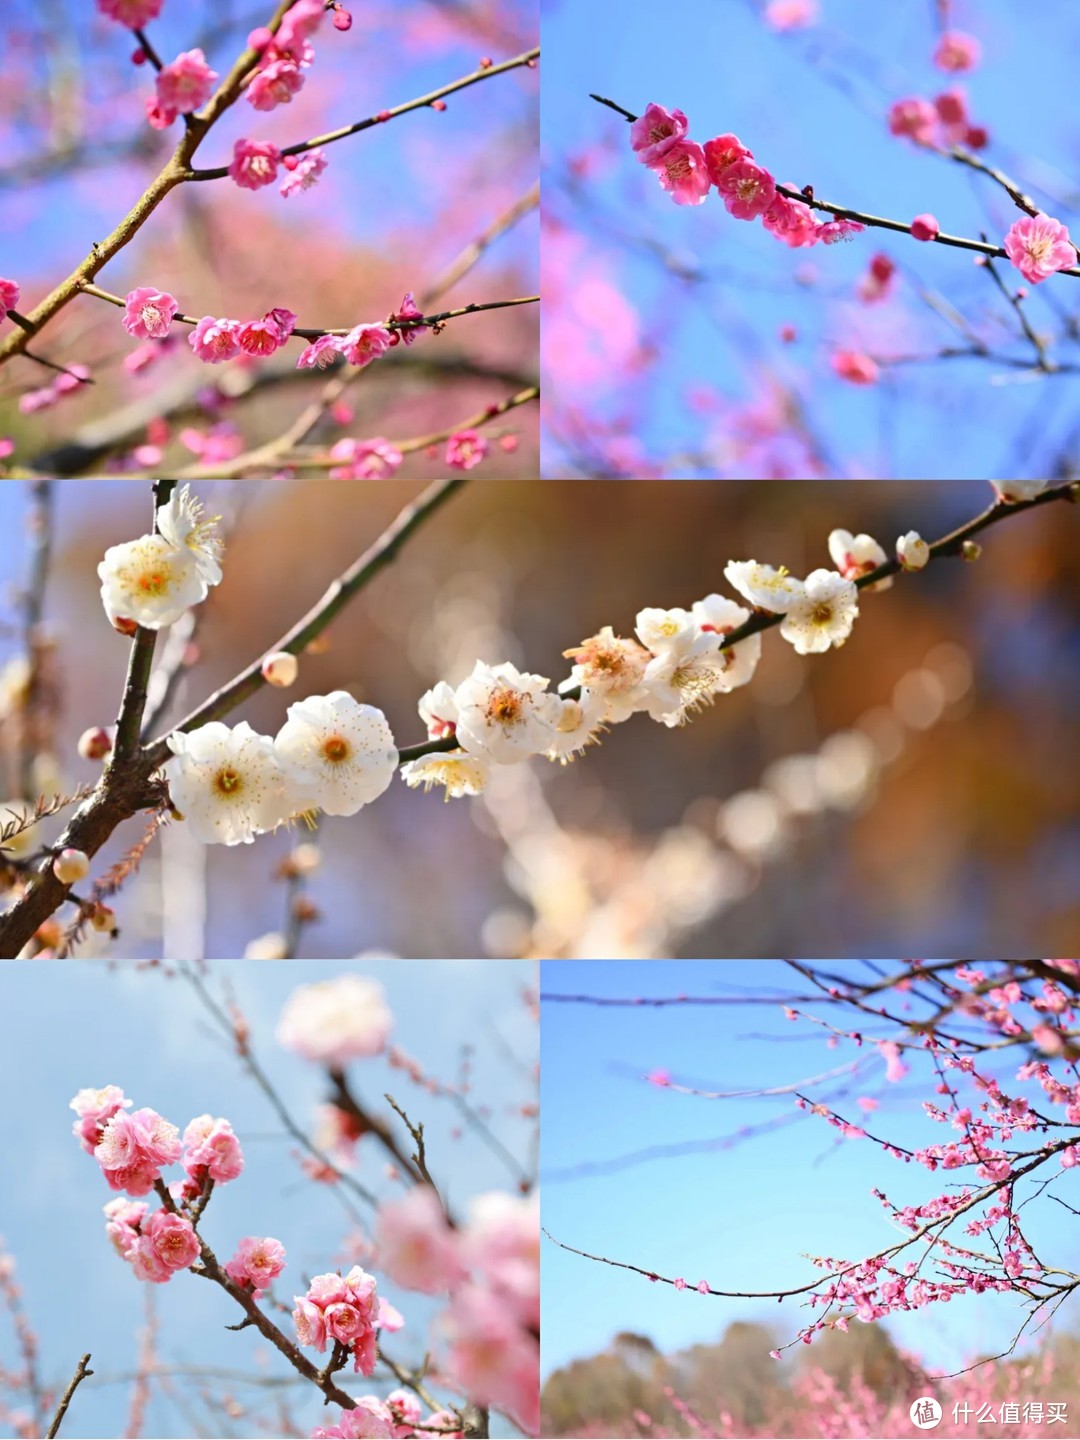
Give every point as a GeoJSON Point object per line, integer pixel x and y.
{"type": "Point", "coordinates": [149, 582]}
{"type": "Point", "coordinates": [856, 555]}
{"type": "Point", "coordinates": [1013, 490]}
{"type": "Point", "coordinates": [180, 521]}
{"type": "Point", "coordinates": [335, 1021]}
{"type": "Point", "coordinates": [460, 772]}
{"type": "Point", "coordinates": [682, 679]}
{"type": "Point", "coordinates": [824, 614]}
{"type": "Point", "coordinates": [335, 753]}
{"type": "Point", "coordinates": [610, 667]}
{"type": "Point", "coordinates": [912, 551]}
{"type": "Point", "coordinates": [765, 587]}
{"type": "Point", "coordinates": [717, 614]}
{"type": "Point", "coordinates": [226, 783]}
{"type": "Point", "coordinates": [577, 726]}
{"type": "Point", "coordinates": [660, 630]}
{"type": "Point", "coordinates": [505, 714]}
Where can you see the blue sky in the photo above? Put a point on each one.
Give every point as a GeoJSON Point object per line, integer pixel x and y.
{"type": "Point", "coordinates": [811, 105]}
{"type": "Point", "coordinates": [79, 1024]}
{"type": "Point", "coordinates": [741, 1217]}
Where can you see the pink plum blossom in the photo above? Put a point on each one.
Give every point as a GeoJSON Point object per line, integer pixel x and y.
{"type": "Point", "coordinates": [211, 1148]}
{"type": "Point", "coordinates": [9, 297]}
{"type": "Point", "coordinates": [491, 1358]}
{"type": "Point", "coordinates": [123, 1218]}
{"type": "Point", "coordinates": [957, 51]}
{"type": "Point", "coordinates": [1038, 245]}
{"type": "Point", "coordinates": [375, 459]}
{"type": "Point", "coordinates": [791, 221]}
{"type": "Point", "coordinates": [346, 1309]}
{"type": "Point", "coordinates": [747, 189]}
{"type": "Point", "coordinates": [160, 116]}
{"type": "Point", "coordinates": [409, 310]}
{"type": "Point", "coordinates": [186, 83]}
{"type": "Point", "coordinates": [132, 13]}
{"type": "Point", "coordinates": [913, 117]}
{"type": "Point", "coordinates": [925, 227]}
{"type": "Point", "coordinates": [303, 171]}
{"type": "Point", "coordinates": [320, 353]}
{"type": "Point", "coordinates": [275, 84]}
{"type": "Point", "coordinates": [148, 313]}
{"type": "Point", "coordinates": [171, 1239]}
{"type": "Point", "coordinates": [416, 1245]}
{"type": "Point", "coordinates": [95, 1108]}
{"type": "Point", "coordinates": [655, 132]}
{"type": "Point", "coordinates": [255, 1263]}
{"type": "Point", "coordinates": [683, 173]}
{"type": "Point", "coordinates": [254, 163]}
{"type": "Point", "coordinates": [133, 1148]}
{"type": "Point", "coordinates": [215, 340]}
{"type": "Point", "coordinates": [722, 152]}
{"type": "Point", "coordinates": [465, 449]}
{"type": "Point", "coordinates": [855, 367]}
{"type": "Point", "coordinates": [791, 14]}
{"type": "Point", "coordinates": [365, 343]}
{"type": "Point", "coordinates": [405, 1411]}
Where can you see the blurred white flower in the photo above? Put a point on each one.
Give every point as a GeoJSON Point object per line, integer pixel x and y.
{"type": "Point", "coordinates": [460, 772]}
{"type": "Point", "coordinates": [1012, 490]}
{"type": "Point", "coordinates": [335, 1021]}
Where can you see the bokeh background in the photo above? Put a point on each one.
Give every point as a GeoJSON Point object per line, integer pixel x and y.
{"type": "Point", "coordinates": [391, 213]}
{"type": "Point", "coordinates": [147, 1031]}
{"type": "Point", "coordinates": [663, 351]}
{"type": "Point", "coordinates": [941, 814]}
{"type": "Point", "coordinates": [741, 1191]}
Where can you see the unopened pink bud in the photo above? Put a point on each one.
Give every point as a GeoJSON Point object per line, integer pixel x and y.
{"type": "Point", "coordinates": [95, 743]}
{"type": "Point", "coordinates": [925, 227]}
{"type": "Point", "coordinates": [281, 668]}
{"type": "Point", "coordinates": [70, 866]}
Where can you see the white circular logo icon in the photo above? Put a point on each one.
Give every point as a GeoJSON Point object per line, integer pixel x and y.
{"type": "Point", "coordinates": [925, 1413]}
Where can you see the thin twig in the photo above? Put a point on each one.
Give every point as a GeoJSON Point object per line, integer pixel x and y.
{"type": "Point", "coordinates": [82, 1370]}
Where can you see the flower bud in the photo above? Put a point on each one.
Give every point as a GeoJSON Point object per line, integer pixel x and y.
{"type": "Point", "coordinates": [95, 743]}
{"type": "Point", "coordinates": [971, 550]}
{"type": "Point", "coordinates": [70, 866]}
{"type": "Point", "coordinates": [103, 918]}
{"type": "Point", "coordinates": [281, 668]}
{"type": "Point", "coordinates": [912, 551]}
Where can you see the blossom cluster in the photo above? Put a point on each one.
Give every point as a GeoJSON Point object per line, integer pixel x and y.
{"type": "Point", "coordinates": [687, 171]}
{"type": "Point", "coordinates": [231, 783]}
{"type": "Point", "coordinates": [345, 1310]}
{"type": "Point", "coordinates": [149, 314]}
{"type": "Point", "coordinates": [132, 1150]}
{"type": "Point", "coordinates": [1038, 245]}
{"type": "Point", "coordinates": [1012, 1011]}
{"type": "Point", "coordinates": [489, 1269]}
{"type": "Point", "coordinates": [679, 661]}
{"type": "Point", "coordinates": [945, 121]}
